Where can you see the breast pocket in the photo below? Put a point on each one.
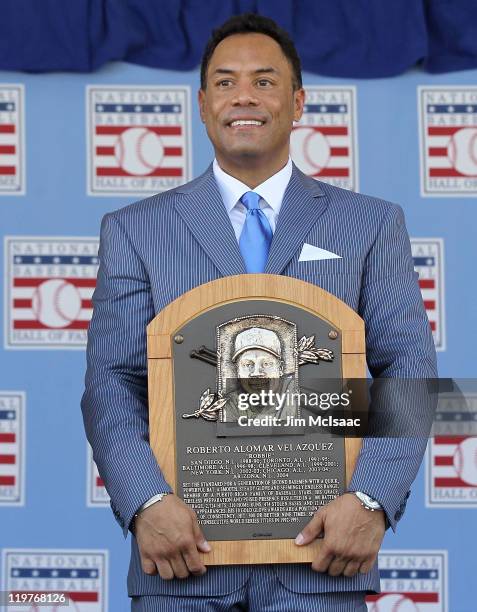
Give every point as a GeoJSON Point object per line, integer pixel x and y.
{"type": "Point", "coordinates": [350, 266]}
{"type": "Point", "coordinates": [341, 277]}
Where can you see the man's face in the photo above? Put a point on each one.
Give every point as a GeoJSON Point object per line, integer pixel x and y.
{"type": "Point", "coordinates": [249, 79]}
{"type": "Point", "coordinates": [258, 370]}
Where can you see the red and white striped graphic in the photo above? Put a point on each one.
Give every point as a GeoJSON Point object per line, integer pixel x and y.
{"type": "Point", "coordinates": [139, 139]}
{"type": "Point", "coordinates": [12, 157]}
{"type": "Point", "coordinates": [139, 151]}
{"type": "Point", "coordinates": [63, 302]}
{"type": "Point", "coordinates": [452, 471]}
{"type": "Point", "coordinates": [448, 118]}
{"type": "Point", "coordinates": [49, 288]}
{"type": "Point", "coordinates": [428, 256]}
{"type": "Point", "coordinates": [96, 491]}
{"type": "Point", "coordinates": [323, 143]}
{"type": "Point", "coordinates": [455, 461]}
{"type": "Point", "coordinates": [12, 447]}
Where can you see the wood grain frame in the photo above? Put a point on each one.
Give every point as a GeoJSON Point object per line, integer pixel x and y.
{"type": "Point", "coordinates": [160, 334]}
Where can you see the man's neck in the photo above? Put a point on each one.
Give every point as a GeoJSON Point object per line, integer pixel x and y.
{"type": "Point", "coordinates": [250, 171]}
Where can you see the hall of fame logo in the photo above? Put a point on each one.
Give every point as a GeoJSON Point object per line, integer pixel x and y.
{"type": "Point", "coordinates": [138, 139]}
{"type": "Point", "coordinates": [428, 256]}
{"type": "Point", "coordinates": [12, 140]}
{"type": "Point", "coordinates": [49, 283]}
{"type": "Point", "coordinates": [12, 448]}
{"type": "Point", "coordinates": [81, 574]}
{"type": "Point", "coordinates": [451, 458]}
{"type": "Point", "coordinates": [323, 143]}
{"type": "Point", "coordinates": [96, 491]}
{"type": "Point", "coordinates": [411, 581]}
{"type": "Point", "coordinates": [448, 126]}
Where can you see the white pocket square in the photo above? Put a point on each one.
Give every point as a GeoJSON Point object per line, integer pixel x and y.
{"type": "Point", "coordinates": [312, 253]}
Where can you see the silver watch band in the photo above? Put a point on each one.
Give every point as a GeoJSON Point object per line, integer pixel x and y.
{"type": "Point", "coordinates": [367, 501]}
{"type": "Point", "coordinates": [152, 500]}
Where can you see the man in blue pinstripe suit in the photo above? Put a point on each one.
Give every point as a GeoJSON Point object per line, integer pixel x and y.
{"type": "Point", "coordinates": [252, 210]}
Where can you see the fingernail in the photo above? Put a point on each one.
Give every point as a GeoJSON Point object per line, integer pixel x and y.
{"type": "Point", "coordinates": [299, 539]}
{"type": "Point", "coordinates": [206, 546]}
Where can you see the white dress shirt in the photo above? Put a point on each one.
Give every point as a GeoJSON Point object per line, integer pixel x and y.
{"type": "Point", "coordinates": [270, 191]}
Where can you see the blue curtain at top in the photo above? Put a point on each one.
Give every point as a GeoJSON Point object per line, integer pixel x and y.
{"type": "Point", "coordinates": [342, 38]}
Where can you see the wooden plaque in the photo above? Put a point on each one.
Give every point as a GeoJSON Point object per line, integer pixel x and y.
{"type": "Point", "coordinates": [209, 309]}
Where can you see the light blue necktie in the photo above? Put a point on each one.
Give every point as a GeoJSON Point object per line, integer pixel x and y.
{"type": "Point", "coordinates": [256, 235]}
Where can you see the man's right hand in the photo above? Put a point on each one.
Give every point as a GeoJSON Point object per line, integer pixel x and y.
{"type": "Point", "coordinates": [169, 538]}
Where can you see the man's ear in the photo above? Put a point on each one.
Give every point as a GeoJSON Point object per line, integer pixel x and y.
{"type": "Point", "coordinates": [299, 103]}
{"type": "Point", "coordinates": [201, 100]}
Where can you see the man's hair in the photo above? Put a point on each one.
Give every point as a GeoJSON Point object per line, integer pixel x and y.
{"type": "Point", "coordinates": [252, 23]}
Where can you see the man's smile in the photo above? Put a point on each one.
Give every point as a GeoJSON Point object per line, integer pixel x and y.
{"type": "Point", "coordinates": [245, 123]}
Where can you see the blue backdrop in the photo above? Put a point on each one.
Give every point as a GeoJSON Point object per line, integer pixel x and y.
{"type": "Point", "coordinates": [358, 39]}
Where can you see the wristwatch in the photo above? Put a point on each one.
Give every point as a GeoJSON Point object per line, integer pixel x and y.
{"type": "Point", "coordinates": [368, 502]}
{"type": "Point", "coordinates": [149, 502]}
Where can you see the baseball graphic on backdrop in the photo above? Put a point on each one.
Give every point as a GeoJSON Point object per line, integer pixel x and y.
{"type": "Point", "coordinates": [56, 303]}
{"type": "Point", "coordinates": [310, 150]}
{"type": "Point", "coordinates": [139, 151]}
{"type": "Point", "coordinates": [394, 602]}
{"type": "Point", "coordinates": [462, 151]}
{"type": "Point", "coordinates": [465, 461]}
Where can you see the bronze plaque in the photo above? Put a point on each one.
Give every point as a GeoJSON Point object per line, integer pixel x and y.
{"type": "Point", "coordinates": [262, 470]}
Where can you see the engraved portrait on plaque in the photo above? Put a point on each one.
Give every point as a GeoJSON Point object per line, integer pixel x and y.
{"type": "Point", "coordinates": [257, 358]}
{"type": "Point", "coordinates": [257, 354]}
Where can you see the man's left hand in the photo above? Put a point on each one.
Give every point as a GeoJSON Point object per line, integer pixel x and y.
{"type": "Point", "coordinates": [352, 536]}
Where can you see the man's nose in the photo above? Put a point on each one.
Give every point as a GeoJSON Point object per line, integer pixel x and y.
{"type": "Point", "coordinates": [245, 96]}
{"type": "Point", "coordinates": [257, 370]}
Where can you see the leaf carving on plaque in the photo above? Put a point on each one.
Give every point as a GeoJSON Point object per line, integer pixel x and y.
{"type": "Point", "coordinates": [309, 353]}
{"type": "Point", "coordinates": [209, 406]}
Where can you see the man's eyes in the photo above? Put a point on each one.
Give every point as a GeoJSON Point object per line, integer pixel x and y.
{"type": "Point", "coordinates": [225, 83]}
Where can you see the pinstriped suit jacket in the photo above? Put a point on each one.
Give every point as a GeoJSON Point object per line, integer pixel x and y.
{"type": "Point", "coordinates": [154, 250]}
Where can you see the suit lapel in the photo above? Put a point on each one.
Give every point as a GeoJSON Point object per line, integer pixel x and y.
{"type": "Point", "coordinates": [201, 207]}
{"type": "Point", "coordinates": [303, 202]}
